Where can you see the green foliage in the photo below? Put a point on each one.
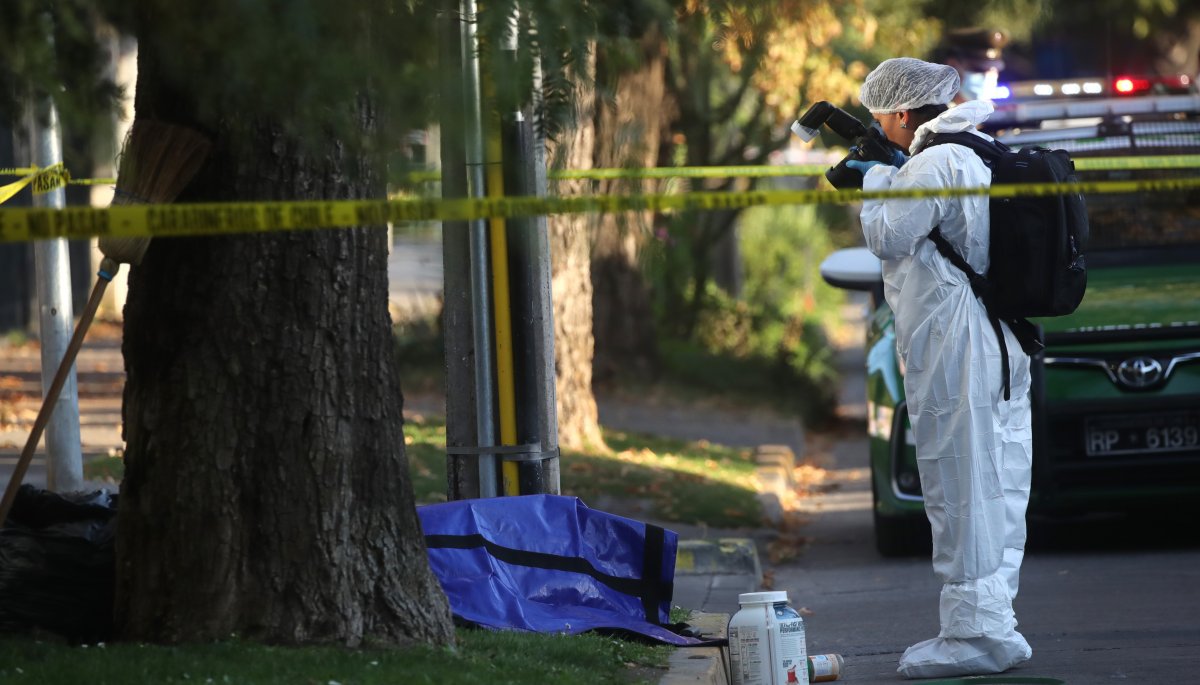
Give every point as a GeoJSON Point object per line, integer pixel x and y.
{"type": "Point", "coordinates": [52, 49]}
{"type": "Point", "coordinates": [783, 248]}
{"type": "Point", "coordinates": [1018, 18]}
{"type": "Point", "coordinates": [307, 65]}
{"type": "Point", "coordinates": [739, 72]}
{"type": "Point", "coordinates": [556, 36]}
{"type": "Point", "coordinates": [311, 67]}
{"type": "Point", "coordinates": [771, 340]}
{"type": "Point", "coordinates": [480, 657]}
{"type": "Point", "coordinates": [790, 352]}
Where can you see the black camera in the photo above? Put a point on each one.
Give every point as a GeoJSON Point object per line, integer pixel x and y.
{"type": "Point", "coordinates": [868, 143]}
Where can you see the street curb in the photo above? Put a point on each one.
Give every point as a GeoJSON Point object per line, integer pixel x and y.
{"type": "Point", "coordinates": [773, 472]}
{"type": "Point", "coordinates": [723, 556]}
{"type": "Point", "coordinates": [700, 664]}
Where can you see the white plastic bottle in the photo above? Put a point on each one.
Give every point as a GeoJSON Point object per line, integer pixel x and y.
{"type": "Point", "coordinates": [766, 641]}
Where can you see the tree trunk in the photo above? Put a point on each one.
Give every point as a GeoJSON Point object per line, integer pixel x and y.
{"type": "Point", "coordinates": [266, 491]}
{"type": "Point", "coordinates": [628, 131]}
{"type": "Point", "coordinates": [570, 250]}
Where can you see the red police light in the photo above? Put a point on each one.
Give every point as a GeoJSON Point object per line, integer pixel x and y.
{"type": "Point", "coordinates": [1127, 85]}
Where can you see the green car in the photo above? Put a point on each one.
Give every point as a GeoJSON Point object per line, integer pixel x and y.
{"type": "Point", "coordinates": [1116, 393]}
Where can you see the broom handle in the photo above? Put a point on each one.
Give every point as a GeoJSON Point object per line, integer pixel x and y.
{"type": "Point", "coordinates": [60, 378]}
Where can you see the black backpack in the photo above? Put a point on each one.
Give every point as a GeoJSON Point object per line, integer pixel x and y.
{"type": "Point", "coordinates": [1036, 263]}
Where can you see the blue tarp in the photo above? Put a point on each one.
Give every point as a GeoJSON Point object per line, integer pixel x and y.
{"type": "Point", "coordinates": [549, 564]}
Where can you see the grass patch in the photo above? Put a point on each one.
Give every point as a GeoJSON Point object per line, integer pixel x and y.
{"type": "Point", "coordinates": [480, 657]}
{"type": "Point", "coordinates": [14, 338]}
{"type": "Point", "coordinates": [686, 482]}
{"type": "Point", "coordinates": [108, 469]}
{"type": "Point", "coordinates": [420, 355]}
{"type": "Point", "coordinates": [425, 445]}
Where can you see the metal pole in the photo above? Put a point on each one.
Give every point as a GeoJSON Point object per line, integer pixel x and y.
{"type": "Point", "coordinates": [533, 329]}
{"type": "Point", "coordinates": [532, 315]}
{"type": "Point", "coordinates": [481, 316]}
{"type": "Point", "coordinates": [52, 267]}
{"type": "Point", "coordinates": [544, 308]}
{"type": "Point", "coordinates": [462, 470]}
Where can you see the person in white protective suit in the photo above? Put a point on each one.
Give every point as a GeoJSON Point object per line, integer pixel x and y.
{"type": "Point", "coordinates": [974, 448]}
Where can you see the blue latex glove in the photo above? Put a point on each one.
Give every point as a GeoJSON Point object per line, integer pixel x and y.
{"type": "Point", "coordinates": [898, 159]}
{"type": "Point", "coordinates": [861, 166]}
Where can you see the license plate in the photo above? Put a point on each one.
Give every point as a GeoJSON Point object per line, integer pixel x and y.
{"type": "Point", "coordinates": [1142, 433]}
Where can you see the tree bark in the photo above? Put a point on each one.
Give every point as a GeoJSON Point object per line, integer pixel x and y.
{"type": "Point", "coordinates": [266, 491]}
{"type": "Point", "coordinates": [570, 249]}
{"type": "Point", "coordinates": [628, 133]}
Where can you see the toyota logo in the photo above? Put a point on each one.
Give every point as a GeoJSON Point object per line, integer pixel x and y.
{"type": "Point", "coordinates": [1140, 372]}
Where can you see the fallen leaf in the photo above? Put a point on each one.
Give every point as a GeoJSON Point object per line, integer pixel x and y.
{"type": "Point", "coordinates": [768, 580]}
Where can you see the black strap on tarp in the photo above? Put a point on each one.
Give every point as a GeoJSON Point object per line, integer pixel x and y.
{"type": "Point", "coordinates": [652, 568]}
{"type": "Point", "coordinates": [651, 589]}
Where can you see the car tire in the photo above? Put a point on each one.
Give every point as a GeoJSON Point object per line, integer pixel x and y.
{"type": "Point", "coordinates": [900, 536]}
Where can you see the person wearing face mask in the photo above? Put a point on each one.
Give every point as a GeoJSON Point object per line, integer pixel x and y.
{"type": "Point", "coordinates": [977, 55]}
{"type": "Point", "coordinates": [974, 443]}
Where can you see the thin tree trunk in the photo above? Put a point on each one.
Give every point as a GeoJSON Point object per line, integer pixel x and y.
{"type": "Point", "coordinates": [266, 491]}
{"type": "Point", "coordinates": [628, 131]}
{"type": "Point", "coordinates": [570, 248]}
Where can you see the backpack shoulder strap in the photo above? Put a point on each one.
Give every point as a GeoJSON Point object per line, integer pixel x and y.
{"type": "Point", "coordinates": [981, 288]}
{"type": "Point", "coordinates": [979, 284]}
{"type": "Point", "coordinates": [988, 150]}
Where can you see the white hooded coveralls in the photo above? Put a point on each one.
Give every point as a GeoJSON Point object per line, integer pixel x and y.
{"type": "Point", "coordinates": [974, 449]}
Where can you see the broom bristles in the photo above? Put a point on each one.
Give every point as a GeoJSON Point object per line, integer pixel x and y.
{"type": "Point", "coordinates": [156, 163]}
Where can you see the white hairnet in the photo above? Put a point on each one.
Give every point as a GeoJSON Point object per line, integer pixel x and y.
{"type": "Point", "coordinates": [904, 83]}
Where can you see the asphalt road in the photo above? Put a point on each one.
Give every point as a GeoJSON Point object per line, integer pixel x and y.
{"type": "Point", "coordinates": [1102, 600]}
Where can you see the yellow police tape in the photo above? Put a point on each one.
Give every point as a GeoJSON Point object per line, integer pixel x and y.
{"type": "Point", "coordinates": [760, 171]}
{"type": "Point", "coordinates": [261, 217]}
{"type": "Point", "coordinates": [777, 170]}
{"type": "Point", "coordinates": [42, 180]}
{"type": "Point", "coordinates": [55, 168]}
{"type": "Point", "coordinates": [1137, 163]}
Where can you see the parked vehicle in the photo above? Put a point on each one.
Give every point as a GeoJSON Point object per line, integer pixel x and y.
{"type": "Point", "coordinates": [1116, 393]}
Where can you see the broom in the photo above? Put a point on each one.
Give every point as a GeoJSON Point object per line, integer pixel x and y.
{"type": "Point", "coordinates": [157, 162]}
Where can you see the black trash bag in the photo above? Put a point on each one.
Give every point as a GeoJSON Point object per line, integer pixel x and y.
{"type": "Point", "coordinates": [57, 568]}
